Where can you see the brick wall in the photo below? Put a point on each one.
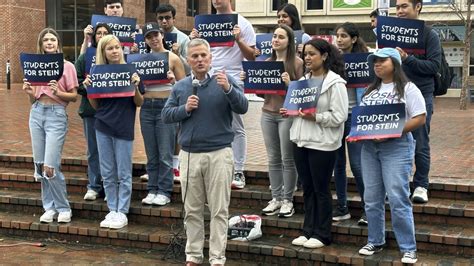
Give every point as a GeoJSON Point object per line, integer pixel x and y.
{"type": "Point", "coordinates": [21, 22]}
{"type": "Point", "coordinates": [135, 9]}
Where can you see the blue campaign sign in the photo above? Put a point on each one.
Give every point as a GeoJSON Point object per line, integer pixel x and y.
{"type": "Point", "coordinates": [122, 27]}
{"type": "Point", "coordinates": [298, 37]}
{"type": "Point", "coordinates": [151, 67]}
{"type": "Point", "coordinates": [264, 77]}
{"type": "Point", "coordinates": [217, 29]}
{"type": "Point", "coordinates": [170, 38]}
{"type": "Point", "coordinates": [111, 81]}
{"type": "Point", "coordinates": [90, 58]}
{"type": "Point", "coordinates": [140, 41]}
{"type": "Point", "coordinates": [264, 44]}
{"type": "Point", "coordinates": [303, 95]}
{"type": "Point", "coordinates": [401, 32]}
{"type": "Point", "coordinates": [377, 121]}
{"type": "Point", "coordinates": [40, 69]}
{"type": "Point", "coordinates": [358, 72]}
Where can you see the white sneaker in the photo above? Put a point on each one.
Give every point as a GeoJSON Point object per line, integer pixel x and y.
{"type": "Point", "coordinates": [420, 195]}
{"type": "Point", "coordinates": [239, 180]}
{"type": "Point", "coordinates": [91, 195]}
{"type": "Point", "coordinates": [64, 217]}
{"type": "Point", "coordinates": [313, 243]}
{"type": "Point", "coordinates": [108, 218]}
{"type": "Point", "coordinates": [299, 241]}
{"type": "Point", "coordinates": [272, 208]}
{"type": "Point", "coordinates": [286, 209]}
{"type": "Point", "coordinates": [161, 200]}
{"type": "Point", "coordinates": [149, 199]}
{"type": "Point", "coordinates": [48, 216]}
{"type": "Point", "coordinates": [119, 220]}
{"type": "Point", "coordinates": [144, 178]}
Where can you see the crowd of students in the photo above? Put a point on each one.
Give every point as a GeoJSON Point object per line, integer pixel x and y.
{"type": "Point", "coordinates": [305, 149]}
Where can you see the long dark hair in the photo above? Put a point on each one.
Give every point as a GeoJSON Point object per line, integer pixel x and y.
{"type": "Point", "coordinates": [359, 46]}
{"type": "Point", "coordinates": [99, 25]}
{"type": "Point", "coordinates": [289, 62]}
{"type": "Point", "coordinates": [334, 61]}
{"type": "Point", "coordinates": [400, 80]}
{"type": "Point", "coordinates": [292, 12]}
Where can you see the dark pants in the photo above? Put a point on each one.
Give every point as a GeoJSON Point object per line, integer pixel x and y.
{"type": "Point", "coordinates": [314, 170]}
{"type": "Point", "coordinates": [422, 151]}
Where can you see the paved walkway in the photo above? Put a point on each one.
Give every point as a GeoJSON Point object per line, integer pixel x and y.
{"type": "Point", "coordinates": [452, 135]}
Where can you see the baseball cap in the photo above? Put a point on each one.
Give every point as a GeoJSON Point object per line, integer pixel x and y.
{"type": "Point", "coordinates": [150, 27]}
{"type": "Point", "coordinates": [385, 53]}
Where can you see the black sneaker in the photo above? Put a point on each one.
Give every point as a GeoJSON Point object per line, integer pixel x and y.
{"type": "Point", "coordinates": [341, 214]}
{"type": "Point", "coordinates": [370, 249]}
{"type": "Point", "coordinates": [363, 220]}
{"type": "Point", "coordinates": [409, 257]}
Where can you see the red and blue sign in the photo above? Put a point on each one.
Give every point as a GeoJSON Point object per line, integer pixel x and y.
{"type": "Point", "coordinates": [121, 27]}
{"type": "Point", "coordinates": [358, 72]}
{"type": "Point", "coordinates": [40, 69]}
{"type": "Point", "coordinates": [264, 77]}
{"type": "Point", "coordinates": [377, 122]}
{"type": "Point", "coordinates": [218, 30]}
{"type": "Point", "coordinates": [151, 67]}
{"type": "Point", "coordinates": [401, 32]}
{"type": "Point", "coordinates": [170, 39]}
{"type": "Point", "coordinates": [90, 58]}
{"type": "Point", "coordinates": [111, 81]}
{"type": "Point", "coordinates": [264, 44]}
{"type": "Point", "coordinates": [302, 95]}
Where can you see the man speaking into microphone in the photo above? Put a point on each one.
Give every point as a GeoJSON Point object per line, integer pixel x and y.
{"type": "Point", "coordinates": [203, 103]}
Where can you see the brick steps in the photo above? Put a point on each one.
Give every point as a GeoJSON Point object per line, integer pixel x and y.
{"type": "Point", "coordinates": [451, 239]}
{"type": "Point", "coordinates": [437, 210]}
{"type": "Point", "coordinates": [266, 250]}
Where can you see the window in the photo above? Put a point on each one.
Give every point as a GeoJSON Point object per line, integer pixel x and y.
{"type": "Point", "coordinates": [192, 8]}
{"type": "Point", "coordinates": [69, 18]}
{"type": "Point", "coordinates": [150, 8]}
{"type": "Point", "coordinates": [314, 4]}
{"type": "Point", "coordinates": [277, 3]}
{"type": "Point", "coordinates": [427, 2]}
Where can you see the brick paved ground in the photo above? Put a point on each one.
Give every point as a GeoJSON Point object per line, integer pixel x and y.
{"type": "Point", "coordinates": [452, 135]}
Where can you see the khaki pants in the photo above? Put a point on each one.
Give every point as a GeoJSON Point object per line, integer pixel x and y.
{"type": "Point", "coordinates": [210, 178]}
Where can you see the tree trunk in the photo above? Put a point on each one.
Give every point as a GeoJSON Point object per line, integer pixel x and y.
{"type": "Point", "coordinates": [464, 98]}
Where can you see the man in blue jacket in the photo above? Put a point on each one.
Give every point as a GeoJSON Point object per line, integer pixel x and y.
{"type": "Point", "coordinates": [203, 103]}
{"type": "Point", "coordinates": [421, 70]}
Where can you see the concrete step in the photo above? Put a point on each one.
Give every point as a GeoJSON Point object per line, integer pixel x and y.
{"type": "Point", "coordinates": [266, 250]}
{"type": "Point", "coordinates": [255, 197]}
{"type": "Point", "coordinates": [445, 238]}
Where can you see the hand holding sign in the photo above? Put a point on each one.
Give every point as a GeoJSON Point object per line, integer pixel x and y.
{"type": "Point", "coordinates": [135, 79]}
{"type": "Point", "coordinates": [53, 86]}
{"type": "Point", "coordinates": [27, 88]}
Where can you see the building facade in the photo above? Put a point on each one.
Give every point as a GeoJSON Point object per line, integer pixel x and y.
{"type": "Point", "coordinates": [320, 17]}
{"type": "Point", "coordinates": [22, 20]}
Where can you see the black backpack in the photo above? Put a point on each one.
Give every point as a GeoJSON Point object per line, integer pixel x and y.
{"type": "Point", "coordinates": [445, 75]}
{"type": "Point", "coordinates": [443, 78]}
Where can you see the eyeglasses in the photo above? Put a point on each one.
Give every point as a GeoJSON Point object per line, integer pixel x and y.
{"type": "Point", "coordinates": [164, 17]}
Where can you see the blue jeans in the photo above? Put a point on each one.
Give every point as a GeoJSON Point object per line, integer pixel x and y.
{"type": "Point", "coordinates": [281, 166]}
{"type": "Point", "coordinates": [387, 168]}
{"type": "Point", "coordinates": [48, 128]}
{"type": "Point", "coordinates": [422, 151]}
{"type": "Point", "coordinates": [93, 165]}
{"type": "Point", "coordinates": [340, 177]}
{"type": "Point", "coordinates": [115, 157]}
{"type": "Point", "coordinates": [159, 141]}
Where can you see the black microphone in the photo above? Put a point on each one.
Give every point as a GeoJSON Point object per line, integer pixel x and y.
{"type": "Point", "coordinates": [196, 84]}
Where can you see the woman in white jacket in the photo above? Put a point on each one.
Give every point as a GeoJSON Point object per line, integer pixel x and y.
{"type": "Point", "coordinates": [317, 137]}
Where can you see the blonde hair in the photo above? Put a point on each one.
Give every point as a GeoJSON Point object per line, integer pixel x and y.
{"type": "Point", "coordinates": [100, 58]}
{"type": "Point", "coordinates": [39, 44]}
